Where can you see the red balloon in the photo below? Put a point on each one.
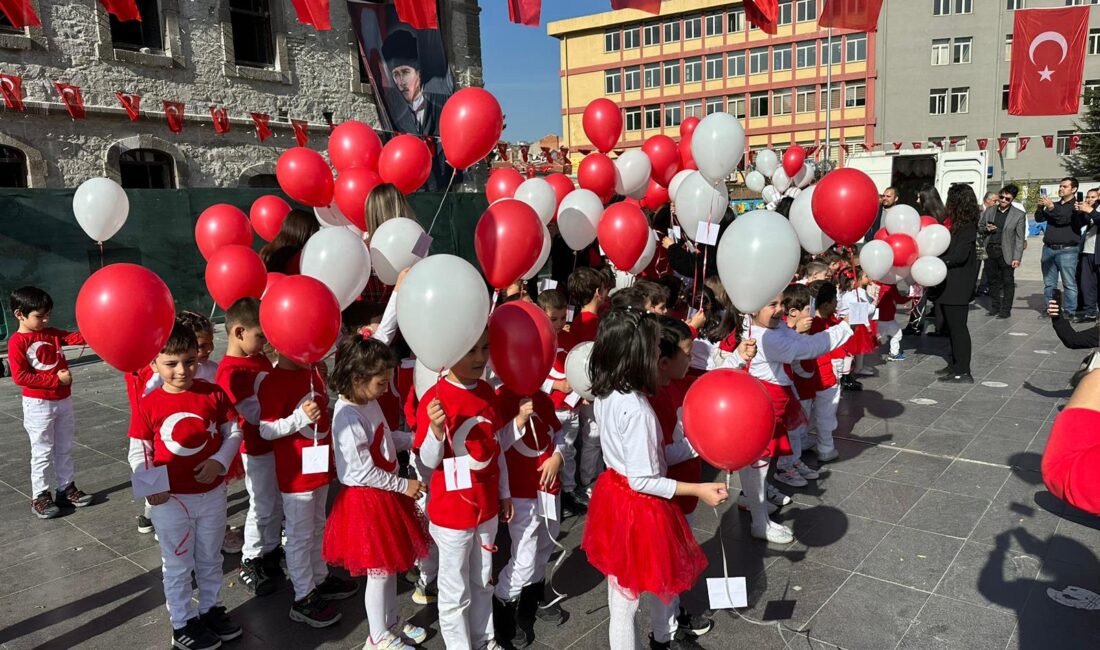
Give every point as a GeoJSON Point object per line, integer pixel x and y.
{"type": "Point", "coordinates": [354, 144]}
{"type": "Point", "coordinates": [221, 225]}
{"type": "Point", "coordinates": [352, 189]}
{"type": "Point", "coordinates": [728, 418]}
{"type": "Point", "coordinates": [597, 173]}
{"type": "Point", "coordinates": [272, 278]}
{"type": "Point", "coordinates": [927, 221]}
{"type": "Point", "coordinates": [301, 318]}
{"type": "Point", "coordinates": [793, 158]}
{"type": "Point", "coordinates": [562, 185]}
{"type": "Point", "coordinates": [507, 241]}
{"type": "Point", "coordinates": [686, 159]}
{"type": "Point", "coordinates": [267, 214]}
{"type": "Point", "coordinates": [656, 195]}
{"type": "Point", "coordinates": [664, 158]}
{"type": "Point", "coordinates": [845, 204]}
{"type": "Point", "coordinates": [406, 162]}
{"type": "Point", "coordinates": [904, 247]}
{"type": "Point", "coordinates": [687, 127]}
{"type": "Point", "coordinates": [305, 176]}
{"type": "Point", "coordinates": [502, 184]}
{"type": "Point", "coordinates": [235, 272]}
{"type": "Point", "coordinates": [603, 124]}
{"type": "Point", "coordinates": [881, 234]}
{"type": "Point", "coordinates": [622, 233]}
{"type": "Point", "coordinates": [125, 313]}
{"type": "Point", "coordinates": [470, 126]}
{"type": "Point", "coordinates": [522, 345]}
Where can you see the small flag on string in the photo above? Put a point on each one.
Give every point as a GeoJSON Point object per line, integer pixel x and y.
{"type": "Point", "coordinates": [221, 119]}
{"type": "Point", "coordinates": [70, 96]}
{"type": "Point", "coordinates": [1023, 143]}
{"type": "Point", "coordinates": [1048, 140]}
{"type": "Point", "coordinates": [301, 131]}
{"type": "Point", "coordinates": [173, 113]}
{"type": "Point", "coordinates": [131, 103]}
{"type": "Point", "coordinates": [12, 87]}
{"type": "Point", "coordinates": [263, 131]}
{"type": "Point", "coordinates": [983, 143]}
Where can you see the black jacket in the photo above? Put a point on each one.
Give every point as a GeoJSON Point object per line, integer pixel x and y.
{"type": "Point", "coordinates": [1074, 340]}
{"type": "Point", "coordinates": [962, 267]}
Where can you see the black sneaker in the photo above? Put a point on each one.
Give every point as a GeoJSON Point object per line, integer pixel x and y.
{"type": "Point", "coordinates": [657, 645]}
{"type": "Point", "coordinates": [946, 370]}
{"type": "Point", "coordinates": [692, 624]}
{"type": "Point", "coordinates": [530, 606]}
{"type": "Point", "coordinates": [570, 507]}
{"type": "Point", "coordinates": [963, 378]}
{"type": "Point", "coordinates": [272, 563]}
{"type": "Point", "coordinates": [195, 636]}
{"type": "Point", "coordinates": [73, 496]}
{"type": "Point", "coordinates": [255, 578]}
{"type": "Point", "coordinates": [218, 622]}
{"type": "Point", "coordinates": [580, 495]}
{"type": "Point", "coordinates": [337, 588]}
{"type": "Point", "coordinates": [850, 384]}
{"type": "Point", "coordinates": [314, 611]}
{"type": "Point", "coordinates": [504, 623]}
{"type": "Point", "coordinates": [145, 525]}
{"type": "Point", "coordinates": [43, 506]}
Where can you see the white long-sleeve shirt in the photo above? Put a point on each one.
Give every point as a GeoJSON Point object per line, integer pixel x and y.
{"type": "Point", "coordinates": [781, 345]}
{"type": "Point", "coordinates": [355, 428]}
{"type": "Point", "coordinates": [631, 443]}
{"type": "Point", "coordinates": [387, 329]}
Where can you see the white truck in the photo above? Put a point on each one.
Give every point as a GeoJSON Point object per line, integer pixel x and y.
{"type": "Point", "coordinates": [909, 170]}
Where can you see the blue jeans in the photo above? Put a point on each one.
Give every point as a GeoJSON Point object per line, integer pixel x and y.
{"type": "Point", "coordinates": [1061, 262]}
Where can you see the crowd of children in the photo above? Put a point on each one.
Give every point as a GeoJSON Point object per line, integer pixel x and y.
{"type": "Point", "coordinates": [480, 454]}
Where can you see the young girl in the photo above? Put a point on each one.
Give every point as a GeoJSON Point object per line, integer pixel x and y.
{"type": "Point", "coordinates": [821, 410]}
{"type": "Point", "coordinates": [375, 527]}
{"type": "Point", "coordinates": [635, 534]}
{"type": "Point", "coordinates": [889, 331]}
{"type": "Point", "coordinates": [852, 285]}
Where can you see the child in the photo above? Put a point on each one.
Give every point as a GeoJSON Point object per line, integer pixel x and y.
{"type": "Point", "coordinates": [375, 527]}
{"type": "Point", "coordinates": [204, 333]}
{"type": "Point", "coordinates": [821, 409]}
{"type": "Point", "coordinates": [588, 287]}
{"type": "Point", "coordinates": [888, 328]}
{"type": "Point", "coordinates": [852, 288]}
{"type": "Point", "coordinates": [459, 429]}
{"type": "Point", "coordinates": [39, 366]}
{"type": "Point", "coordinates": [553, 303]}
{"type": "Point", "coordinates": [655, 295]}
{"type": "Point", "coordinates": [803, 374]}
{"type": "Point", "coordinates": [294, 414]}
{"type": "Point", "coordinates": [813, 271]}
{"type": "Point", "coordinates": [242, 370]}
{"type": "Point", "coordinates": [635, 534]}
{"type": "Point", "coordinates": [191, 427]}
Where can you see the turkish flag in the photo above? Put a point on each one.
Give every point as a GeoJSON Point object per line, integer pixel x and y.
{"type": "Point", "coordinates": [1024, 139]}
{"type": "Point", "coordinates": [983, 143]}
{"type": "Point", "coordinates": [20, 13]}
{"type": "Point", "coordinates": [860, 15]}
{"type": "Point", "coordinates": [1001, 144]}
{"type": "Point", "coordinates": [867, 147]}
{"type": "Point", "coordinates": [132, 104]}
{"type": "Point", "coordinates": [763, 13]}
{"type": "Point", "coordinates": [1048, 61]}
{"type": "Point", "coordinates": [301, 131]}
{"type": "Point", "coordinates": [897, 146]}
{"type": "Point", "coordinates": [846, 148]}
{"type": "Point", "coordinates": [1074, 140]}
{"type": "Point", "coordinates": [1048, 140]}
{"type": "Point", "coordinates": [263, 131]}
{"type": "Point", "coordinates": [122, 9]}
{"type": "Point", "coordinates": [523, 149]}
{"type": "Point", "coordinates": [418, 14]}
{"type": "Point", "coordinates": [648, 6]}
{"type": "Point", "coordinates": [954, 141]}
{"type": "Point", "coordinates": [315, 12]}
{"type": "Point", "coordinates": [918, 145]}
{"type": "Point", "coordinates": [173, 112]}
{"type": "Point", "coordinates": [70, 96]}
{"type": "Point", "coordinates": [811, 150]}
{"type": "Point", "coordinates": [221, 119]}
{"type": "Point", "coordinates": [525, 12]}
{"type": "Point", "coordinates": [12, 88]}
{"type": "Point", "coordinates": [502, 149]}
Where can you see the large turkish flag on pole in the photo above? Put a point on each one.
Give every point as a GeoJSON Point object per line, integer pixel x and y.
{"type": "Point", "coordinates": [1048, 61]}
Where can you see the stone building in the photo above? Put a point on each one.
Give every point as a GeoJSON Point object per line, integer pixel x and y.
{"type": "Point", "coordinates": [243, 55]}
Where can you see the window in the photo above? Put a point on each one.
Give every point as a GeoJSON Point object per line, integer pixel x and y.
{"type": "Point", "coordinates": [264, 181]}
{"type": "Point", "coordinates": [758, 105]}
{"type": "Point", "coordinates": [735, 106]}
{"type": "Point", "coordinates": [1090, 91]}
{"type": "Point", "coordinates": [672, 31]}
{"type": "Point", "coordinates": [693, 70]}
{"type": "Point", "coordinates": [960, 142]}
{"type": "Point", "coordinates": [1008, 47]}
{"type": "Point", "coordinates": [714, 105]}
{"type": "Point", "coordinates": [138, 34]}
{"type": "Point", "coordinates": [672, 115]}
{"type": "Point", "coordinates": [672, 73]}
{"type": "Point", "coordinates": [612, 82]}
{"type": "Point", "coordinates": [735, 64]}
{"type": "Point", "coordinates": [693, 28]}
{"type": "Point", "coordinates": [633, 118]}
{"type": "Point", "coordinates": [715, 67]}
{"type": "Point", "coordinates": [693, 108]}
{"type": "Point", "coordinates": [781, 102]}
{"type": "Point", "coordinates": [964, 6]}
{"type": "Point", "coordinates": [147, 169]}
{"type": "Point", "coordinates": [960, 53]}
{"type": "Point", "coordinates": [735, 21]}
{"type": "Point", "coordinates": [855, 95]}
{"type": "Point", "coordinates": [806, 99]}
{"type": "Point", "coordinates": [781, 58]}
{"type": "Point", "coordinates": [1094, 41]}
{"type": "Point", "coordinates": [253, 37]}
{"type": "Point", "coordinates": [834, 58]}
{"type": "Point", "coordinates": [941, 48]}
{"type": "Point", "coordinates": [651, 34]}
{"type": "Point", "coordinates": [1070, 3]}
{"type": "Point", "coordinates": [1016, 4]}
{"type": "Point", "coordinates": [1004, 97]}
{"type": "Point", "coordinates": [714, 24]}
{"type": "Point", "coordinates": [1012, 149]}
{"type": "Point", "coordinates": [960, 100]}
{"type": "Point", "coordinates": [941, 7]}
{"type": "Point", "coordinates": [653, 117]}
{"type": "Point", "coordinates": [630, 37]}
{"type": "Point", "coordinates": [806, 54]}
{"type": "Point", "coordinates": [857, 48]}
{"type": "Point", "coordinates": [785, 12]}
{"type": "Point", "coordinates": [7, 27]}
{"type": "Point", "coordinates": [652, 75]}
{"type": "Point", "coordinates": [611, 41]}
{"type": "Point", "coordinates": [758, 60]}
{"type": "Point", "coordinates": [832, 101]}
{"type": "Point", "coordinates": [937, 101]}
{"type": "Point", "coordinates": [13, 167]}
{"type": "Point", "coordinates": [1061, 143]}
{"type": "Point", "coordinates": [632, 78]}
{"type": "Point", "coordinates": [806, 10]}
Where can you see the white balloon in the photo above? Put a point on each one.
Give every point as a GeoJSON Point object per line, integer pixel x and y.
{"type": "Point", "coordinates": [901, 219]}
{"type": "Point", "coordinates": [717, 145]}
{"type": "Point", "coordinates": [543, 256]}
{"type": "Point", "coordinates": [757, 257]}
{"type": "Point", "coordinates": [898, 274]}
{"type": "Point", "coordinates": [674, 184]}
{"type": "Point", "coordinates": [933, 240]}
{"type": "Point", "coordinates": [331, 217]}
{"type": "Point", "coordinates": [755, 181]}
{"type": "Point", "coordinates": [338, 258]}
{"type": "Point", "coordinates": [647, 254]}
{"type": "Point", "coordinates": [770, 194]}
{"type": "Point", "coordinates": [576, 370]}
{"type": "Point", "coordinates": [632, 171]}
{"type": "Point", "coordinates": [806, 175]}
{"type": "Point", "coordinates": [766, 161]}
{"type": "Point", "coordinates": [100, 206]}
{"type": "Point", "coordinates": [442, 289]}
{"type": "Point", "coordinates": [780, 180]}
{"type": "Point", "coordinates": [391, 248]}
{"type": "Point", "coordinates": [423, 378]}
{"type": "Point", "coordinates": [876, 258]}
{"type": "Point", "coordinates": [540, 195]}
{"type": "Point", "coordinates": [792, 192]}
{"type": "Point", "coordinates": [698, 201]}
{"type": "Point", "coordinates": [578, 216]}
{"type": "Point", "coordinates": [928, 271]}
{"type": "Point", "coordinates": [810, 235]}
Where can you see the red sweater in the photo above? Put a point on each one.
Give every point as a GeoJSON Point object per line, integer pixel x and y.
{"type": "Point", "coordinates": [1071, 461]}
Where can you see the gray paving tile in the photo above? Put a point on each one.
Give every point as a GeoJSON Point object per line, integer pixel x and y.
{"type": "Point", "coordinates": [972, 479]}
{"type": "Point", "coordinates": [42, 546]}
{"type": "Point", "coordinates": [793, 591]}
{"type": "Point", "coordinates": [891, 607]}
{"type": "Point", "coordinates": [943, 443]}
{"type": "Point", "coordinates": [1044, 623]}
{"type": "Point", "coordinates": [988, 448]}
{"type": "Point", "coordinates": [946, 513]}
{"type": "Point", "coordinates": [959, 423]}
{"type": "Point", "coordinates": [951, 625]}
{"type": "Point", "coordinates": [915, 469]}
{"type": "Point", "coordinates": [1029, 408]}
{"type": "Point", "coordinates": [840, 541]}
{"type": "Point", "coordinates": [861, 458]}
{"type": "Point", "coordinates": [913, 558]}
{"type": "Point", "coordinates": [882, 500]}
{"type": "Point", "coordinates": [833, 487]}
{"type": "Point", "coordinates": [1076, 542]}
{"type": "Point", "coordinates": [991, 576]}
{"type": "Point", "coordinates": [1012, 429]}
{"type": "Point", "coordinates": [1024, 528]}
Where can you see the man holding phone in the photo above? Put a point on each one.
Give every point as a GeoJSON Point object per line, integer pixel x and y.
{"type": "Point", "coordinates": [1005, 229]}
{"type": "Point", "coordinates": [1061, 242]}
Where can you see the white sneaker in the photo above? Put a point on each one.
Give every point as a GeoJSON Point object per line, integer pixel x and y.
{"type": "Point", "coordinates": [424, 595]}
{"type": "Point", "coordinates": [743, 504]}
{"type": "Point", "coordinates": [416, 635]}
{"type": "Point", "coordinates": [790, 477]}
{"type": "Point", "coordinates": [827, 456]}
{"type": "Point", "coordinates": [387, 642]}
{"type": "Point", "coordinates": [806, 471]}
{"type": "Point", "coordinates": [776, 497]}
{"type": "Point", "coordinates": [493, 645]}
{"type": "Point", "coordinates": [232, 543]}
{"type": "Point", "coordinates": [773, 532]}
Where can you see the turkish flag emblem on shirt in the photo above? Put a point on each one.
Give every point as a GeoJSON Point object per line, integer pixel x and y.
{"type": "Point", "coordinates": [1048, 61]}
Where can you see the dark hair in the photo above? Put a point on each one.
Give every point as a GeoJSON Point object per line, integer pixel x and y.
{"type": "Point", "coordinates": [675, 289]}
{"type": "Point", "coordinates": [28, 299]}
{"type": "Point", "coordinates": [1011, 189]}
{"type": "Point", "coordinates": [1072, 181]}
{"type": "Point", "coordinates": [628, 298]}
{"type": "Point", "coordinates": [722, 318]}
{"type": "Point", "coordinates": [796, 296]}
{"type": "Point", "coordinates": [962, 207]}
{"type": "Point", "coordinates": [890, 188]}
{"type": "Point", "coordinates": [360, 358]}
{"type": "Point", "coordinates": [552, 299]}
{"type": "Point", "coordinates": [181, 340]}
{"type": "Point", "coordinates": [673, 333]}
{"type": "Point", "coordinates": [245, 312]}
{"type": "Point", "coordinates": [624, 357]}
{"type": "Point", "coordinates": [583, 284]}
{"type": "Point", "coordinates": [654, 294]}
{"type": "Point", "coordinates": [930, 202]}
{"type": "Point", "coordinates": [814, 266]}
{"type": "Point", "coordinates": [608, 273]}
{"type": "Point", "coordinates": [296, 230]}
{"type": "Point", "coordinates": [830, 257]}
{"type": "Point", "coordinates": [197, 322]}
{"type": "Point", "coordinates": [784, 206]}
{"type": "Point", "coordinates": [823, 291]}
{"type": "Point", "coordinates": [846, 279]}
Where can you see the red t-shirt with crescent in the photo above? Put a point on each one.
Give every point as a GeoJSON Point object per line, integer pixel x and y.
{"type": "Point", "coordinates": [280, 394]}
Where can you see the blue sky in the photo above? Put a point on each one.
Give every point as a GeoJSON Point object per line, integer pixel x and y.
{"type": "Point", "coordinates": [521, 65]}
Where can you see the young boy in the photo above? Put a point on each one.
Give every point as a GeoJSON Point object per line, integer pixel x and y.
{"type": "Point", "coordinates": [204, 334]}
{"type": "Point", "coordinates": [821, 410]}
{"type": "Point", "coordinates": [888, 328]}
{"type": "Point", "coordinates": [39, 366]}
{"type": "Point", "coordinates": [565, 401]}
{"type": "Point", "coordinates": [796, 305]}
{"type": "Point", "coordinates": [191, 427]}
{"type": "Point", "coordinates": [240, 373]}
{"type": "Point", "coordinates": [588, 287]}
{"type": "Point", "coordinates": [655, 296]}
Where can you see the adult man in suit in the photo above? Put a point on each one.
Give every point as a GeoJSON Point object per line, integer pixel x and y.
{"type": "Point", "coordinates": [1088, 268]}
{"type": "Point", "coordinates": [1005, 229]}
{"type": "Point", "coordinates": [416, 112]}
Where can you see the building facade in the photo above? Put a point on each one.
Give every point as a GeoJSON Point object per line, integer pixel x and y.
{"type": "Point", "coordinates": [242, 55]}
{"type": "Point", "coordinates": [701, 56]}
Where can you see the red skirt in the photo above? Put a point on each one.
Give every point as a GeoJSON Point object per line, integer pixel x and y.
{"type": "Point", "coordinates": [374, 531]}
{"type": "Point", "coordinates": [789, 416]}
{"type": "Point", "coordinates": [862, 341]}
{"type": "Point", "coordinates": [642, 540]}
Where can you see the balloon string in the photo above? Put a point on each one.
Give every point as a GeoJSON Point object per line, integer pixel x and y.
{"type": "Point", "coordinates": [454, 173]}
{"type": "Point", "coordinates": [748, 362]}
{"type": "Point", "coordinates": [695, 275]}
{"type": "Point", "coordinates": [100, 245]}
{"type": "Point", "coordinates": [312, 394]}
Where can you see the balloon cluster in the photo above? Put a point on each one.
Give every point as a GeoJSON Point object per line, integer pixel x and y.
{"type": "Point", "coordinates": [908, 246]}
{"type": "Point", "coordinates": [788, 176]}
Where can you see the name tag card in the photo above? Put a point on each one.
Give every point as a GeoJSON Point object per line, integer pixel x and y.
{"type": "Point", "coordinates": [153, 480]}
{"type": "Point", "coordinates": [859, 314]}
{"type": "Point", "coordinates": [456, 473]}
{"type": "Point", "coordinates": [707, 233]}
{"type": "Point", "coordinates": [547, 285]}
{"type": "Point", "coordinates": [423, 245]}
{"type": "Point", "coordinates": [727, 593]}
{"type": "Point", "coordinates": [569, 313]}
{"type": "Point", "coordinates": [674, 233]}
{"type": "Point", "coordinates": [315, 459]}
{"type": "Point", "coordinates": [813, 307]}
{"type": "Point", "coordinates": [548, 505]}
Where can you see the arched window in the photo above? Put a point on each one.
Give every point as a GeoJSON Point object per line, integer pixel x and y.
{"type": "Point", "coordinates": [13, 167]}
{"type": "Point", "coordinates": [147, 169]}
{"type": "Point", "coordinates": [263, 180]}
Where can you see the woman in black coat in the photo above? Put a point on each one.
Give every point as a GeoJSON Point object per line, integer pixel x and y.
{"type": "Point", "coordinates": [957, 291]}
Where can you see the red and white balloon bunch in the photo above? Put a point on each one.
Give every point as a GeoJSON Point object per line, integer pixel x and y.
{"type": "Point", "coordinates": [788, 176]}
{"type": "Point", "coordinates": [906, 247]}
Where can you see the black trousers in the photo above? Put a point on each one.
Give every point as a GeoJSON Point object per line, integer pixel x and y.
{"type": "Point", "coordinates": [1087, 283]}
{"type": "Point", "coordinates": [959, 336]}
{"type": "Point", "coordinates": [1002, 281]}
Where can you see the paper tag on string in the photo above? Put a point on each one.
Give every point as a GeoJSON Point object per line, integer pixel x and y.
{"type": "Point", "coordinates": [423, 245]}
{"type": "Point", "coordinates": [547, 284]}
{"type": "Point", "coordinates": [569, 312]}
{"type": "Point", "coordinates": [859, 313]}
{"type": "Point", "coordinates": [874, 314]}
{"type": "Point", "coordinates": [315, 459]}
{"type": "Point", "coordinates": [721, 590]}
{"type": "Point", "coordinates": [674, 233]}
{"type": "Point", "coordinates": [548, 505]}
{"type": "Point", "coordinates": [707, 233]}
{"type": "Point", "coordinates": [456, 473]}
{"type": "Point", "coordinates": [153, 480]}
{"type": "Point", "coordinates": [813, 307]}
{"type": "Point", "coordinates": [572, 398]}
{"type": "Point", "coordinates": [691, 312]}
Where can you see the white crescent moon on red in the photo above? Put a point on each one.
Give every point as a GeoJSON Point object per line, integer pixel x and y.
{"type": "Point", "coordinates": [521, 444]}
{"type": "Point", "coordinates": [459, 442]}
{"type": "Point", "coordinates": [32, 356]}
{"type": "Point", "coordinates": [253, 400]}
{"type": "Point", "coordinates": [1053, 37]}
{"type": "Point", "coordinates": [169, 425]}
